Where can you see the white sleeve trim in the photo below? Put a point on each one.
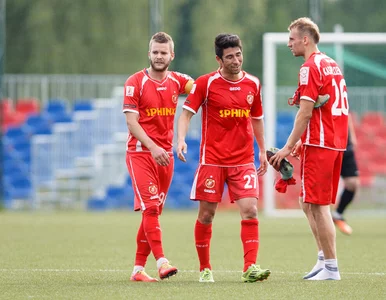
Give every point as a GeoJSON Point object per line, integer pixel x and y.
{"type": "Point", "coordinates": [307, 98]}
{"type": "Point", "coordinates": [189, 109]}
{"type": "Point", "coordinates": [130, 110]}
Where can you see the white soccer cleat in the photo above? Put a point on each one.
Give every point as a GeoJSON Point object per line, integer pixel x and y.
{"type": "Point", "coordinates": [326, 275]}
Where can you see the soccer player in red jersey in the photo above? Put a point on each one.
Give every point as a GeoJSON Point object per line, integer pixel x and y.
{"type": "Point", "coordinates": [232, 115]}
{"type": "Point", "coordinates": [150, 101]}
{"type": "Point", "coordinates": [319, 137]}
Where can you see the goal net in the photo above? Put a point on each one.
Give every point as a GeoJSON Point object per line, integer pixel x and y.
{"type": "Point", "coordinates": [361, 56]}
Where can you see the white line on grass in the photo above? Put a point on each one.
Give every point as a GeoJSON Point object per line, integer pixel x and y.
{"type": "Point", "coordinates": [182, 271]}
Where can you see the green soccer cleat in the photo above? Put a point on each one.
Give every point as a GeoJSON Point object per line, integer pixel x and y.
{"type": "Point", "coordinates": [255, 273]}
{"type": "Point", "coordinates": [206, 276]}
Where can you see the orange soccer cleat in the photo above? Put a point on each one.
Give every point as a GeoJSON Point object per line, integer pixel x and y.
{"type": "Point", "coordinates": [166, 270]}
{"type": "Point", "coordinates": [342, 226]}
{"type": "Point", "coordinates": [142, 276]}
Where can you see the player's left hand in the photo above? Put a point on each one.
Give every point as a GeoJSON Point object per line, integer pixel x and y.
{"type": "Point", "coordinates": [262, 169]}
{"type": "Point", "coordinates": [279, 156]}
{"type": "Point", "coordinates": [182, 148]}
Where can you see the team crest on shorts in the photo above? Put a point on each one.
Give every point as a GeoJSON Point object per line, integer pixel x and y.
{"type": "Point", "coordinates": [250, 98]}
{"type": "Point", "coordinates": [153, 189]}
{"type": "Point", "coordinates": [175, 98]}
{"type": "Point", "coordinates": [210, 183]}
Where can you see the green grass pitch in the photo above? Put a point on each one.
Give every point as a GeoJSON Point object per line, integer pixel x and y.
{"type": "Point", "coordinates": [71, 255]}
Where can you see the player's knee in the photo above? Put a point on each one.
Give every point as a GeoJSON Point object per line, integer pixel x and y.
{"type": "Point", "coordinates": [206, 217]}
{"type": "Point", "coordinates": [151, 211]}
{"type": "Point", "coordinates": [351, 184]}
{"type": "Point", "coordinates": [249, 212]}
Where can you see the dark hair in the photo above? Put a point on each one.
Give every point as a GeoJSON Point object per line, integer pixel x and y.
{"type": "Point", "coordinates": [224, 41]}
{"type": "Point", "coordinates": [162, 38]}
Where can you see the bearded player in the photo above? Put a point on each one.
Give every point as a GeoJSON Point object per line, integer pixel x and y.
{"type": "Point", "coordinates": [150, 101]}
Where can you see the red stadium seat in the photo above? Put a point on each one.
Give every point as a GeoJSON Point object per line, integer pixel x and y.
{"type": "Point", "coordinates": [373, 119]}
{"type": "Point", "coordinates": [27, 106]}
{"type": "Point", "coordinates": [6, 106]}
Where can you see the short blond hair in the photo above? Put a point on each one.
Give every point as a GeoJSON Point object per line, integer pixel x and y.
{"type": "Point", "coordinates": [306, 26]}
{"type": "Point", "coordinates": [162, 38]}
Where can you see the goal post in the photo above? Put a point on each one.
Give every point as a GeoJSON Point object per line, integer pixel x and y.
{"type": "Point", "coordinates": [270, 43]}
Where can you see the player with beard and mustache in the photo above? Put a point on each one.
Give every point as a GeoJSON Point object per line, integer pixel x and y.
{"type": "Point", "coordinates": [150, 101]}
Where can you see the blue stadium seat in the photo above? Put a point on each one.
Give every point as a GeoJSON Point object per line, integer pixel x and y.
{"type": "Point", "coordinates": [13, 133]}
{"type": "Point", "coordinates": [285, 117]}
{"type": "Point", "coordinates": [55, 106]}
{"type": "Point", "coordinates": [39, 124]}
{"type": "Point", "coordinates": [97, 204]}
{"type": "Point", "coordinates": [20, 188]}
{"type": "Point", "coordinates": [82, 105]}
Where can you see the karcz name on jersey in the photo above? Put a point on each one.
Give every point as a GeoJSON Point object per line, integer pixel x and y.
{"type": "Point", "coordinates": [332, 70]}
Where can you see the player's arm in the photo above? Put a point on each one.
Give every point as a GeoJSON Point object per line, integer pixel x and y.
{"type": "Point", "coordinates": [258, 131]}
{"type": "Point", "coordinates": [351, 129]}
{"type": "Point", "coordinates": [182, 130]}
{"type": "Point", "coordinates": [159, 154]}
{"type": "Point", "coordinates": [188, 86]}
{"type": "Point", "coordinates": [301, 121]}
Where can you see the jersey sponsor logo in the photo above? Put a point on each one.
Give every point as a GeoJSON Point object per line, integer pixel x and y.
{"type": "Point", "coordinates": [153, 189]}
{"type": "Point", "coordinates": [175, 97]}
{"type": "Point", "coordinates": [303, 75]}
{"type": "Point", "coordinates": [250, 98]}
{"type": "Point", "coordinates": [162, 88]}
{"type": "Point", "coordinates": [210, 183]}
{"type": "Point", "coordinates": [235, 88]}
{"type": "Point", "coordinates": [231, 113]}
{"type": "Point", "coordinates": [193, 88]}
{"type": "Point", "coordinates": [332, 70]}
{"type": "Point", "coordinates": [161, 111]}
{"type": "Point", "coordinates": [130, 91]}
{"type": "Point", "coordinates": [209, 191]}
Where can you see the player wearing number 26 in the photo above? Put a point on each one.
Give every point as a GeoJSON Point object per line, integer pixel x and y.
{"type": "Point", "coordinates": [232, 115]}
{"type": "Point", "coordinates": [319, 138]}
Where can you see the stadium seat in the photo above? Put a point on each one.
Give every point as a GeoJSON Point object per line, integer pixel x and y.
{"type": "Point", "coordinates": [27, 106]}
{"type": "Point", "coordinates": [56, 106]}
{"type": "Point", "coordinates": [373, 119]}
{"type": "Point", "coordinates": [97, 204]}
{"type": "Point", "coordinates": [14, 133]}
{"type": "Point", "coordinates": [82, 105]}
{"type": "Point", "coordinates": [39, 124]}
{"type": "Point", "coordinates": [21, 187]}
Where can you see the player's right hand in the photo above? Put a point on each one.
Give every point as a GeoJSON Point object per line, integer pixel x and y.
{"type": "Point", "coordinates": [160, 156]}
{"type": "Point", "coordinates": [296, 149]}
{"type": "Point", "coordinates": [182, 148]}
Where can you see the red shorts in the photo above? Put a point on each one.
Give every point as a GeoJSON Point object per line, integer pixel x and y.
{"type": "Point", "coordinates": [209, 183]}
{"type": "Point", "coordinates": [320, 173]}
{"type": "Point", "coordinates": [150, 181]}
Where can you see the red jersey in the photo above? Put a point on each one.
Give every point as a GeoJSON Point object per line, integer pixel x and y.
{"type": "Point", "coordinates": [227, 108]}
{"type": "Point", "coordinates": [328, 126]}
{"type": "Point", "coordinates": [155, 102]}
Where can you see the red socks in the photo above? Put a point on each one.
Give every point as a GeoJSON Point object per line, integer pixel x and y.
{"type": "Point", "coordinates": [250, 240]}
{"type": "Point", "coordinates": [202, 235]}
{"type": "Point", "coordinates": [143, 247]}
{"type": "Point", "coordinates": [152, 231]}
